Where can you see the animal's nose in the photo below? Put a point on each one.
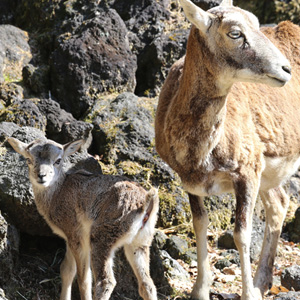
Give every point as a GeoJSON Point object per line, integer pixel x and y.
{"type": "Point", "coordinates": [41, 175]}
{"type": "Point", "coordinates": [287, 69]}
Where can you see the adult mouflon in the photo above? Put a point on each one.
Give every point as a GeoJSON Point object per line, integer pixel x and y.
{"type": "Point", "coordinates": [223, 127]}
{"type": "Point", "coordinates": [95, 215]}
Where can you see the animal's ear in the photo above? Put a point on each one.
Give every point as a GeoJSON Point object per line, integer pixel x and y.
{"type": "Point", "coordinates": [72, 147]}
{"type": "Point", "coordinates": [200, 18]}
{"type": "Point", "coordinates": [226, 3]}
{"type": "Point", "coordinates": [18, 146]}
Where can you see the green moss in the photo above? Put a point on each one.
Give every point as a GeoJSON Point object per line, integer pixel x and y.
{"type": "Point", "coordinates": [170, 216]}
{"type": "Point", "coordinates": [7, 78]}
{"type": "Point", "coordinates": [108, 169]}
{"type": "Point", "coordinates": [288, 11]}
{"type": "Point", "coordinates": [220, 211]}
{"type": "Point", "coordinates": [3, 151]}
{"type": "Point", "coordinates": [130, 167]}
{"type": "Point", "coordinates": [220, 219]}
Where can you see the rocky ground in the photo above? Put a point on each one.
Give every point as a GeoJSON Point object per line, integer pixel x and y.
{"type": "Point", "coordinates": [93, 69]}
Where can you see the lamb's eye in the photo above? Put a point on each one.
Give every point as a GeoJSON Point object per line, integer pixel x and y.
{"type": "Point", "coordinates": [58, 161]}
{"type": "Point", "coordinates": [235, 34]}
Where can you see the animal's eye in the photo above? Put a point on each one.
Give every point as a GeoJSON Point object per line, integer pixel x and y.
{"type": "Point", "coordinates": [235, 34]}
{"type": "Point", "coordinates": [29, 162]}
{"type": "Point", "coordinates": [58, 161]}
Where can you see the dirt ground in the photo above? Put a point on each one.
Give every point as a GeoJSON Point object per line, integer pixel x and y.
{"type": "Point", "coordinates": [38, 275]}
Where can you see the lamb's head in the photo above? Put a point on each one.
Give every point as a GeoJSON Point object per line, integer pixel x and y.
{"type": "Point", "coordinates": [44, 159]}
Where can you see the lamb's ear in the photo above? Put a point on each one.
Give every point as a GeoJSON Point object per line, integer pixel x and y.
{"type": "Point", "coordinates": [200, 18]}
{"type": "Point", "coordinates": [72, 147]}
{"type": "Point", "coordinates": [226, 3]}
{"type": "Point", "coordinates": [18, 146]}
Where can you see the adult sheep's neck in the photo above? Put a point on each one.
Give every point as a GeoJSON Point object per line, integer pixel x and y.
{"type": "Point", "coordinates": [202, 100]}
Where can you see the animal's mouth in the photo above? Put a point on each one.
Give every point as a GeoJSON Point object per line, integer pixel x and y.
{"type": "Point", "coordinates": [280, 81]}
{"type": "Point", "coordinates": [42, 182]}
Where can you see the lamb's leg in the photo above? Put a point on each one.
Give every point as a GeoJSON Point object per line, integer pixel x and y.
{"type": "Point", "coordinates": [276, 202]}
{"type": "Point", "coordinates": [200, 222]}
{"type": "Point", "coordinates": [246, 193]}
{"type": "Point", "coordinates": [84, 278]}
{"type": "Point", "coordinates": [138, 257]}
{"type": "Point", "coordinates": [67, 273]}
{"type": "Point", "coordinates": [102, 267]}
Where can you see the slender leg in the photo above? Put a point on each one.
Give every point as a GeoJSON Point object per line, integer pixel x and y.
{"type": "Point", "coordinates": [276, 203]}
{"type": "Point", "coordinates": [67, 273]}
{"type": "Point", "coordinates": [246, 193]}
{"type": "Point", "coordinates": [138, 257]}
{"type": "Point", "coordinates": [82, 256]}
{"type": "Point", "coordinates": [102, 266]}
{"type": "Point", "coordinates": [200, 222]}
{"type": "Point", "coordinates": [102, 255]}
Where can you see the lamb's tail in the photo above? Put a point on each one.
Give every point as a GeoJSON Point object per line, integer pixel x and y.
{"type": "Point", "coordinates": [152, 206]}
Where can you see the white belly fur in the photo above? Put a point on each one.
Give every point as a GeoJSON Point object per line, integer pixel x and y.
{"type": "Point", "coordinates": [277, 171]}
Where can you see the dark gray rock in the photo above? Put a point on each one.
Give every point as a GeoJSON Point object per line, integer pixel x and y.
{"type": "Point", "coordinates": [159, 240]}
{"type": "Point", "coordinates": [178, 249]}
{"type": "Point", "coordinates": [9, 250]}
{"type": "Point", "coordinates": [62, 127]}
{"type": "Point", "coordinates": [94, 59]}
{"type": "Point", "coordinates": [222, 263]}
{"type": "Point", "coordinates": [123, 129]}
{"type": "Point", "coordinates": [155, 60]}
{"type": "Point", "coordinates": [157, 269]}
{"type": "Point", "coordinates": [290, 278]}
{"type": "Point", "coordinates": [25, 112]}
{"type": "Point", "coordinates": [288, 296]}
{"type": "Point", "coordinates": [293, 228]}
{"type": "Point", "coordinates": [172, 268]}
{"type": "Point", "coordinates": [7, 129]}
{"type": "Point", "coordinates": [56, 117]}
{"type": "Point", "coordinates": [155, 50]}
{"type": "Point", "coordinates": [257, 238]}
{"type": "Point", "coordinates": [226, 240]}
{"type": "Point", "coordinates": [10, 92]}
{"type": "Point", "coordinates": [144, 19]}
{"type": "Point", "coordinates": [293, 186]}
{"type": "Point", "coordinates": [124, 136]}
{"type": "Point", "coordinates": [207, 4]}
{"type": "Point", "coordinates": [14, 52]}
{"type": "Point", "coordinates": [7, 10]}
{"type": "Point", "coordinates": [230, 257]}
{"type": "Point", "coordinates": [37, 78]}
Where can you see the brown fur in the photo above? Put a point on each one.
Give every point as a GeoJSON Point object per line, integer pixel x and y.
{"type": "Point", "coordinates": [271, 112]}
{"type": "Point", "coordinates": [227, 139]}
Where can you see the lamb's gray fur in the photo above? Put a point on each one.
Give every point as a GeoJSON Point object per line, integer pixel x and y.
{"type": "Point", "coordinates": [95, 214]}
